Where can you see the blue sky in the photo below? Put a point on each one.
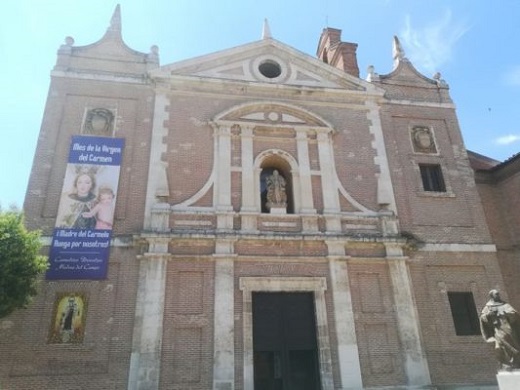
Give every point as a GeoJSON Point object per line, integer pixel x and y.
{"type": "Point", "coordinates": [474, 44]}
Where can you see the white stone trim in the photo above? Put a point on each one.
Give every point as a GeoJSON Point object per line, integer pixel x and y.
{"type": "Point", "coordinates": [284, 69]}
{"type": "Point", "coordinates": [421, 104]}
{"type": "Point", "coordinates": [385, 190]}
{"type": "Point", "coordinates": [415, 363]}
{"type": "Point", "coordinates": [224, 325]}
{"type": "Point", "coordinates": [247, 169]}
{"type": "Point", "coordinates": [302, 144]}
{"type": "Point", "coordinates": [349, 197]}
{"type": "Point", "coordinates": [324, 124]}
{"type": "Point", "coordinates": [185, 205]}
{"type": "Point", "coordinates": [317, 285]}
{"type": "Point", "coordinates": [157, 177]}
{"type": "Point", "coordinates": [218, 92]}
{"type": "Point", "coordinates": [457, 248]}
{"type": "Point", "coordinates": [145, 359]}
{"type": "Point", "coordinates": [329, 183]}
{"type": "Point", "coordinates": [138, 79]}
{"type": "Point", "coordinates": [295, 172]}
{"type": "Point", "coordinates": [222, 162]}
{"type": "Point", "coordinates": [348, 353]}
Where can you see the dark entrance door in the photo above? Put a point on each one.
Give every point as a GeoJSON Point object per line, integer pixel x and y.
{"type": "Point", "coordinates": [284, 342]}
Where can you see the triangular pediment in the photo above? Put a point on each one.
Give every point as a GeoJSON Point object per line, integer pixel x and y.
{"type": "Point", "coordinates": [247, 63]}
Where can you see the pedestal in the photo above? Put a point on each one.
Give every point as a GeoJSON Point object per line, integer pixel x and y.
{"type": "Point", "coordinates": [278, 210]}
{"type": "Point", "coordinates": [508, 380]}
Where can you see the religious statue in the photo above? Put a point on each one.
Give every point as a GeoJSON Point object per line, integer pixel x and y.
{"type": "Point", "coordinates": [276, 196]}
{"type": "Point", "coordinates": [500, 324]}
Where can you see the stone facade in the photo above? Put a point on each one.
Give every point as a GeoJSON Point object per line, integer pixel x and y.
{"type": "Point", "coordinates": [192, 243]}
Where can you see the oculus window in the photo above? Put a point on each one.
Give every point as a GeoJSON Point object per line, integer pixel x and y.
{"type": "Point", "coordinates": [270, 69]}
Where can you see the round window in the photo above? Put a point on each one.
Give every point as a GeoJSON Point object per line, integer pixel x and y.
{"type": "Point", "coordinates": [270, 69]}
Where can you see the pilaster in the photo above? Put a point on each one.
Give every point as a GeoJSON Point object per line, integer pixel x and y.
{"type": "Point", "coordinates": [309, 220]}
{"type": "Point", "coordinates": [145, 360]}
{"type": "Point", "coordinates": [157, 189]}
{"type": "Point", "coordinates": [248, 184]}
{"type": "Point", "coordinates": [331, 207]}
{"type": "Point", "coordinates": [385, 190]}
{"type": "Point", "coordinates": [415, 363]}
{"type": "Point", "coordinates": [348, 353]}
{"type": "Point", "coordinates": [223, 178]}
{"type": "Point", "coordinates": [224, 347]}
{"type": "Point", "coordinates": [249, 209]}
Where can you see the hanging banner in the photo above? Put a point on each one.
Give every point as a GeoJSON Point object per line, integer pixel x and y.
{"type": "Point", "coordinates": [81, 241]}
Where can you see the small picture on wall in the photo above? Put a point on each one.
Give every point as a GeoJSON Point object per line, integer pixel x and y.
{"type": "Point", "coordinates": [68, 326]}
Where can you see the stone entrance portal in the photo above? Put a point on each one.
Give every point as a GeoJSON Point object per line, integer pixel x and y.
{"type": "Point", "coordinates": [310, 291]}
{"type": "Point", "coordinates": [284, 341]}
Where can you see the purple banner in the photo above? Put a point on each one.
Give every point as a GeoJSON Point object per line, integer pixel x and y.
{"type": "Point", "coordinates": [81, 242]}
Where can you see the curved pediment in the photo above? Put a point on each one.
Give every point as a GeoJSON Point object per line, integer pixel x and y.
{"type": "Point", "coordinates": [406, 74]}
{"type": "Point", "coordinates": [276, 114]}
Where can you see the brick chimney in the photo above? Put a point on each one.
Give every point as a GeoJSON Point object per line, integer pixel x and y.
{"type": "Point", "coordinates": [333, 51]}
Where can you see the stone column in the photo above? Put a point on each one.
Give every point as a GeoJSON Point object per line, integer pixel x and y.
{"type": "Point", "coordinates": [224, 320]}
{"type": "Point", "coordinates": [223, 178]}
{"type": "Point", "coordinates": [415, 363]}
{"type": "Point", "coordinates": [145, 360]}
{"type": "Point", "coordinates": [328, 183]}
{"type": "Point", "coordinates": [348, 354]}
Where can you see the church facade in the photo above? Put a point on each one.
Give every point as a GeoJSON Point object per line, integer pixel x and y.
{"type": "Point", "coordinates": [259, 218]}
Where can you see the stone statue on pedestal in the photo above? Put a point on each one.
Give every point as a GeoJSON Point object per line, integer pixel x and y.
{"type": "Point", "coordinates": [276, 195]}
{"type": "Point", "coordinates": [500, 325]}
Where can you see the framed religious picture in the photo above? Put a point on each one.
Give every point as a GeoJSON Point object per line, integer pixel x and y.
{"type": "Point", "coordinates": [68, 320]}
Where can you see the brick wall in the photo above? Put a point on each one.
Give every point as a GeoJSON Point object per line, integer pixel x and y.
{"type": "Point", "coordinates": [498, 189]}
{"type": "Point", "coordinates": [28, 358]}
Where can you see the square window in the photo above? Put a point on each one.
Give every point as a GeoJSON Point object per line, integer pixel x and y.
{"type": "Point", "coordinates": [464, 313]}
{"type": "Point", "coordinates": [432, 179]}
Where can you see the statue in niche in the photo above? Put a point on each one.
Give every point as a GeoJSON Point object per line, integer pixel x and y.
{"type": "Point", "coordinates": [276, 195]}
{"type": "Point", "coordinates": [99, 121]}
{"type": "Point", "coordinates": [423, 140]}
{"type": "Point", "coordinates": [500, 325]}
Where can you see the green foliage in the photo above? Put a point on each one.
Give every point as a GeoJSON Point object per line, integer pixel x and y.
{"type": "Point", "coordinates": [20, 262]}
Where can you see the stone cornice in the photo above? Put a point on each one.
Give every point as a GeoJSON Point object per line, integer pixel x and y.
{"type": "Point", "coordinates": [111, 77]}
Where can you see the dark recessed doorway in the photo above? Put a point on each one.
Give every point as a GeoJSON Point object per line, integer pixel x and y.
{"type": "Point", "coordinates": [284, 342]}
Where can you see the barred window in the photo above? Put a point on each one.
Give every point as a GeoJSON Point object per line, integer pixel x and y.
{"type": "Point", "coordinates": [432, 179]}
{"type": "Point", "coordinates": [464, 313]}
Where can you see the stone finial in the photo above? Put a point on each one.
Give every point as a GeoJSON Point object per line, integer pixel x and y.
{"type": "Point", "coordinates": [266, 31]}
{"type": "Point", "coordinates": [115, 21]}
{"type": "Point", "coordinates": [153, 55]}
{"type": "Point", "coordinates": [397, 52]}
{"type": "Point", "coordinates": [440, 81]}
{"type": "Point", "coordinates": [371, 74]}
{"type": "Point", "coordinates": [66, 47]}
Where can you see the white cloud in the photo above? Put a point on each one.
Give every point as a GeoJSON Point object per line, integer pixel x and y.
{"type": "Point", "coordinates": [431, 46]}
{"type": "Point", "coordinates": [507, 139]}
{"type": "Point", "coordinates": [513, 77]}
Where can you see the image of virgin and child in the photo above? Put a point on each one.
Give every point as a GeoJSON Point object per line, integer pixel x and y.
{"type": "Point", "coordinates": [84, 204]}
